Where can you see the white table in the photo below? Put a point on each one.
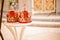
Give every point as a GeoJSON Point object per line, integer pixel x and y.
{"type": "Point", "coordinates": [30, 33]}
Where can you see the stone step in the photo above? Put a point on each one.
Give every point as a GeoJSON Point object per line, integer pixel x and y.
{"type": "Point", "coordinates": [46, 18]}
{"type": "Point", "coordinates": [45, 24]}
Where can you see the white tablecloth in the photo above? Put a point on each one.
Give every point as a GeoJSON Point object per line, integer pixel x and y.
{"type": "Point", "coordinates": [31, 33]}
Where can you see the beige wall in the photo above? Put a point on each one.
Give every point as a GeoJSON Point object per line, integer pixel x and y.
{"type": "Point", "coordinates": [57, 5]}
{"type": "Point", "coordinates": [6, 5]}
{"type": "Point", "coordinates": [29, 5]}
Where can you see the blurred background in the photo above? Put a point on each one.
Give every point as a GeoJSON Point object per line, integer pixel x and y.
{"type": "Point", "coordinates": [45, 20]}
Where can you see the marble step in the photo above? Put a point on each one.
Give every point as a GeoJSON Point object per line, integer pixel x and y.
{"type": "Point", "coordinates": [53, 17]}
{"type": "Point", "coordinates": [45, 24]}
{"type": "Point", "coordinates": [44, 21]}
{"type": "Point", "coordinates": [35, 24]}
{"type": "Point", "coordinates": [46, 18]}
